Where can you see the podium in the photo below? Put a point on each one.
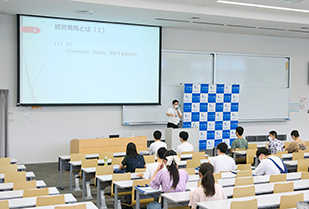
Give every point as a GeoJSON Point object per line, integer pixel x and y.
{"type": "Point", "coordinates": [172, 137]}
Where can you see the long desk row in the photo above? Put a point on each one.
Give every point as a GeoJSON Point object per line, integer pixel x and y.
{"type": "Point", "coordinates": [29, 176]}
{"type": "Point", "coordinates": [19, 193]}
{"type": "Point", "coordinates": [64, 160]}
{"type": "Point", "coordinates": [89, 205]}
{"type": "Point", "coordinates": [9, 186]}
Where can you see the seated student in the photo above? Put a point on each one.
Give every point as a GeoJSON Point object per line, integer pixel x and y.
{"type": "Point", "coordinates": [132, 160]}
{"type": "Point", "coordinates": [240, 142]}
{"type": "Point", "coordinates": [209, 190]}
{"type": "Point", "coordinates": [185, 146]}
{"type": "Point", "coordinates": [153, 148]}
{"type": "Point", "coordinates": [269, 165]}
{"type": "Point", "coordinates": [297, 144]}
{"type": "Point", "coordinates": [171, 179]}
{"type": "Point", "coordinates": [274, 144]}
{"type": "Point", "coordinates": [152, 167]}
{"type": "Point", "coordinates": [222, 162]}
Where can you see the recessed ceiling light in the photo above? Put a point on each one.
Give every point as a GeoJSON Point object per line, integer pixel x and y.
{"type": "Point", "coordinates": [263, 6]}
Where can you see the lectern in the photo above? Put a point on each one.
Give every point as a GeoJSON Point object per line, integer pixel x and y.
{"type": "Point", "coordinates": [172, 137]}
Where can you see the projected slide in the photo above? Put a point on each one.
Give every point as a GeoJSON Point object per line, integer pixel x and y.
{"type": "Point", "coordinates": [65, 61]}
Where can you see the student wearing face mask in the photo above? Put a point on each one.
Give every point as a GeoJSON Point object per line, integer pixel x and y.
{"type": "Point", "coordinates": [274, 144]}
{"type": "Point", "coordinates": [174, 115]}
{"type": "Point", "coordinates": [269, 165]}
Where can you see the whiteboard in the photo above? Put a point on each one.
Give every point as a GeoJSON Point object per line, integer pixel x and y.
{"type": "Point", "coordinates": [264, 84]}
{"type": "Point", "coordinates": [178, 67]}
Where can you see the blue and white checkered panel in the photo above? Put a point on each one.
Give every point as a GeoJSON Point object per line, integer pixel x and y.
{"type": "Point", "coordinates": [213, 108]}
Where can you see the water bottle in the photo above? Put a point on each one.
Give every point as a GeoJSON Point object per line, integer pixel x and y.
{"type": "Point", "coordinates": [105, 160]}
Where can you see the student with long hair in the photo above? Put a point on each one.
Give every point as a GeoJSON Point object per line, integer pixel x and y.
{"type": "Point", "coordinates": [132, 160]}
{"type": "Point", "coordinates": [209, 189]}
{"type": "Point", "coordinates": [170, 179]}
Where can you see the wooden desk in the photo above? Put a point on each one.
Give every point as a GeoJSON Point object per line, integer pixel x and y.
{"type": "Point", "coordinates": [90, 146]}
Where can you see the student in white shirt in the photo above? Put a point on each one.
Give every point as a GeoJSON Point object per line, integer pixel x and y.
{"type": "Point", "coordinates": [222, 162]}
{"type": "Point", "coordinates": [153, 148]}
{"type": "Point", "coordinates": [269, 165]}
{"type": "Point", "coordinates": [174, 115]}
{"type": "Point", "coordinates": [185, 146]}
{"type": "Point", "coordinates": [151, 167]}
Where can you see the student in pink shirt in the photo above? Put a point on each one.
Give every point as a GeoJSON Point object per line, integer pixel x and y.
{"type": "Point", "coordinates": [170, 179]}
{"type": "Point", "coordinates": [209, 190]}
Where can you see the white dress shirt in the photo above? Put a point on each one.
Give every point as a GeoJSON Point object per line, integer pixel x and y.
{"type": "Point", "coordinates": [184, 147]}
{"type": "Point", "coordinates": [153, 148]}
{"type": "Point", "coordinates": [223, 163]}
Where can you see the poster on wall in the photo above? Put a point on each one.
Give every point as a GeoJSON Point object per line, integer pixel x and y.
{"type": "Point", "coordinates": [213, 108]}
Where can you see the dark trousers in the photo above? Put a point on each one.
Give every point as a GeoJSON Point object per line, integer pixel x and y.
{"type": "Point", "coordinates": [172, 125]}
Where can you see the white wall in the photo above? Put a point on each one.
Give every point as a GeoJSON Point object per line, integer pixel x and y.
{"type": "Point", "coordinates": [53, 127]}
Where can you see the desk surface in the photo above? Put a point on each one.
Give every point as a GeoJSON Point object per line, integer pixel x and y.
{"type": "Point", "coordinates": [31, 201]}
{"type": "Point", "coordinates": [268, 200]}
{"type": "Point", "coordinates": [19, 193]}
{"type": "Point", "coordinates": [89, 205]}
{"type": "Point", "coordinates": [9, 186]}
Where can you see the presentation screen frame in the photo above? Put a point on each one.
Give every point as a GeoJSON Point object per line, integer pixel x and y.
{"type": "Point", "coordinates": [159, 73]}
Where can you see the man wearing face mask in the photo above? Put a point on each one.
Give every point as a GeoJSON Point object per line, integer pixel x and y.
{"type": "Point", "coordinates": [269, 165]}
{"type": "Point", "coordinates": [274, 144]}
{"type": "Point", "coordinates": [174, 115]}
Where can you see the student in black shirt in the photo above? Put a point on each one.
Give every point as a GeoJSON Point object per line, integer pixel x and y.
{"type": "Point", "coordinates": [132, 160]}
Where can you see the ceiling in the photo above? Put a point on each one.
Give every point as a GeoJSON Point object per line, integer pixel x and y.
{"type": "Point", "coordinates": [203, 15]}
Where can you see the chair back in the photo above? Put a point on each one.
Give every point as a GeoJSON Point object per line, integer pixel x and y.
{"type": "Point", "coordinates": [89, 163]}
{"type": "Point", "coordinates": [244, 191]}
{"type": "Point", "coordinates": [78, 157]}
{"type": "Point", "coordinates": [244, 173]}
{"type": "Point", "coordinates": [149, 158]}
{"type": "Point", "coordinates": [244, 181]}
{"type": "Point", "coordinates": [198, 155]}
{"type": "Point", "coordinates": [36, 192]}
{"type": "Point", "coordinates": [243, 167]}
{"type": "Point", "coordinates": [15, 176]}
{"type": "Point", "coordinates": [284, 187]}
{"type": "Point", "coordinates": [304, 175]}
{"type": "Point", "coordinates": [119, 177]}
{"type": "Point", "coordinates": [109, 155]}
{"type": "Point", "coordinates": [286, 144]}
{"type": "Point", "coordinates": [141, 183]}
{"type": "Point", "coordinates": [187, 152]}
{"type": "Point", "coordinates": [252, 146]}
{"type": "Point", "coordinates": [104, 170]}
{"type": "Point", "coordinates": [22, 185]}
{"type": "Point", "coordinates": [190, 171]}
{"type": "Point", "coordinates": [250, 156]}
{"type": "Point", "coordinates": [302, 165]}
{"type": "Point", "coordinates": [140, 170]}
{"type": "Point", "coordinates": [298, 155]}
{"type": "Point", "coordinates": [277, 178]}
{"type": "Point", "coordinates": [278, 155]}
{"type": "Point", "coordinates": [282, 152]}
{"type": "Point", "coordinates": [81, 206]}
{"type": "Point", "coordinates": [4, 204]}
{"type": "Point", "coordinates": [5, 161]}
{"type": "Point", "coordinates": [117, 160]}
{"type": "Point", "coordinates": [50, 200]}
{"type": "Point", "coordinates": [240, 149]}
{"type": "Point", "coordinates": [194, 163]}
{"type": "Point", "coordinates": [217, 175]}
{"type": "Point", "coordinates": [252, 204]}
{"type": "Point", "coordinates": [8, 168]}
{"type": "Point", "coordinates": [290, 201]}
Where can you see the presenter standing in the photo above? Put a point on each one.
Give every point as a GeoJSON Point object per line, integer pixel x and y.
{"type": "Point", "coordinates": [174, 115]}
